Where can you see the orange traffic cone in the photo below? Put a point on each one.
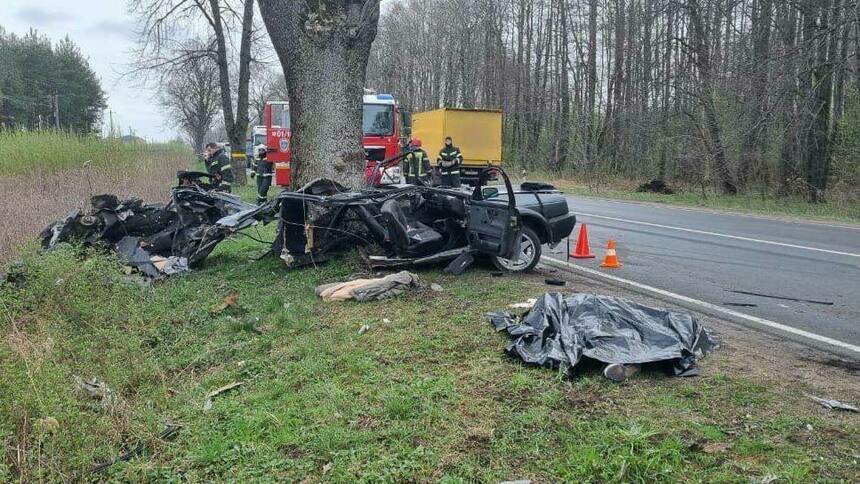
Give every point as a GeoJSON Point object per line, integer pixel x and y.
{"type": "Point", "coordinates": [611, 258]}
{"type": "Point", "coordinates": [583, 250]}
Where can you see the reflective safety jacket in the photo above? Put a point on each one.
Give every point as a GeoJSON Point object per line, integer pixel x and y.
{"type": "Point", "coordinates": [417, 163]}
{"type": "Point", "coordinates": [219, 163]}
{"type": "Point", "coordinates": [450, 159]}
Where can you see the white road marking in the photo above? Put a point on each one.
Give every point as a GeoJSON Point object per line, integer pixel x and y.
{"type": "Point", "coordinates": [697, 302]}
{"type": "Point", "coordinates": [717, 234]}
{"type": "Point", "coordinates": [716, 211]}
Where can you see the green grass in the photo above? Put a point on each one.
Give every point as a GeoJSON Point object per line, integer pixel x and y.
{"type": "Point", "coordinates": [838, 208]}
{"type": "Point", "coordinates": [22, 152]}
{"type": "Point", "coordinates": [425, 394]}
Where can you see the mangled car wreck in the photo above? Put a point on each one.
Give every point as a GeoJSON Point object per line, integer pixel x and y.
{"type": "Point", "coordinates": [418, 224]}
{"type": "Point", "coordinates": [394, 226]}
{"type": "Point", "coordinates": [158, 239]}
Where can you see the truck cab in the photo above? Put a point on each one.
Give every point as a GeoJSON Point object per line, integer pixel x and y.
{"type": "Point", "coordinates": [384, 127]}
{"type": "Point", "coordinates": [277, 135]}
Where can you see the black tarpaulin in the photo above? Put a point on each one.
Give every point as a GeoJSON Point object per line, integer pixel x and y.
{"type": "Point", "coordinates": [562, 329]}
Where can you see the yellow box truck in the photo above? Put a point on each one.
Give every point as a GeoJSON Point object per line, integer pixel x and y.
{"type": "Point", "coordinates": [477, 132]}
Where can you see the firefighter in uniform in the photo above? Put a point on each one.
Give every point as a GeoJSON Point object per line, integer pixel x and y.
{"type": "Point", "coordinates": [417, 163]}
{"type": "Point", "coordinates": [264, 170]}
{"type": "Point", "coordinates": [218, 165]}
{"type": "Point", "coordinates": [449, 162]}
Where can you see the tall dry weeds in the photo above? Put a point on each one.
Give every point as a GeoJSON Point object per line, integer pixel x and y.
{"type": "Point", "coordinates": [30, 202]}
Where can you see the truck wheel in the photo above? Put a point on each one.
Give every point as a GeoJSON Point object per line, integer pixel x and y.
{"type": "Point", "coordinates": [530, 250]}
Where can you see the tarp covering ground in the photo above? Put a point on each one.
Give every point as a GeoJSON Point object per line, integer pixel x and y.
{"type": "Point", "coordinates": [562, 329]}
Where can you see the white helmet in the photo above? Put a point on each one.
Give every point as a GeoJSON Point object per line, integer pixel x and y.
{"type": "Point", "coordinates": [260, 151]}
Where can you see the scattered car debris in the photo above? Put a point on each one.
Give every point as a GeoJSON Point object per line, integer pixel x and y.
{"type": "Point", "coordinates": [95, 389]}
{"type": "Point", "coordinates": [436, 287]}
{"type": "Point", "coordinates": [740, 305]}
{"type": "Point", "coordinates": [562, 329]}
{"type": "Point", "coordinates": [170, 431]}
{"type": "Point", "coordinates": [369, 289]}
{"type": "Point", "coordinates": [363, 329]}
{"type": "Point", "coordinates": [554, 282]}
{"type": "Point", "coordinates": [396, 226]}
{"type": "Point", "coordinates": [157, 239]}
{"type": "Point", "coordinates": [832, 404]}
{"type": "Point", "coordinates": [207, 404]}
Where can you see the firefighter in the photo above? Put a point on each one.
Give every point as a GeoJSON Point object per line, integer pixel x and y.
{"type": "Point", "coordinates": [265, 170]}
{"type": "Point", "coordinates": [218, 165]}
{"type": "Point", "coordinates": [417, 163]}
{"type": "Point", "coordinates": [449, 162]}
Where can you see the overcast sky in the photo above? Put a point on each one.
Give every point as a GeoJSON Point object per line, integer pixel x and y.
{"type": "Point", "coordinates": [105, 33]}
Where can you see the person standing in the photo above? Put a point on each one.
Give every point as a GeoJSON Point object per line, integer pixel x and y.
{"type": "Point", "coordinates": [449, 161]}
{"type": "Point", "coordinates": [218, 165]}
{"type": "Point", "coordinates": [264, 170]}
{"type": "Point", "coordinates": [417, 163]}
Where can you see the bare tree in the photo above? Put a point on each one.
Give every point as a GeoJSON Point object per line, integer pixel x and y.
{"type": "Point", "coordinates": [637, 88]}
{"type": "Point", "coordinates": [162, 48]}
{"type": "Point", "coordinates": [192, 98]}
{"type": "Point", "coordinates": [701, 50]}
{"type": "Point", "coordinates": [266, 85]}
{"type": "Point", "coordinates": [324, 47]}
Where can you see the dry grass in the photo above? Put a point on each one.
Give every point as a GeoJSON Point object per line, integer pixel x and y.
{"type": "Point", "coordinates": [30, 202]}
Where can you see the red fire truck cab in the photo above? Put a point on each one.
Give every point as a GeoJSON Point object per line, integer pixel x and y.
{"type": "Point", "coordinates": [276, 117]}
{"type": "Point", "coordinates": [383, 123]}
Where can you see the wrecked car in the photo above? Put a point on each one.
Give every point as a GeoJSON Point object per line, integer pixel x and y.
{"type": "Point", "coordinates": [393, 225]}
{"type": "Point", "coordinates": [157, 239]}
{"type": "Point", "coordinates": [419, 224]}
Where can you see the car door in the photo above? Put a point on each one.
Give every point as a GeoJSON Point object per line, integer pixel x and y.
{"type": "Point", "coordinates": [493, 225]}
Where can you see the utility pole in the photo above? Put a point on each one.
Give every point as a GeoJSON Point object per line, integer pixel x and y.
{"type": "Point", "coordinates": [57, 111]}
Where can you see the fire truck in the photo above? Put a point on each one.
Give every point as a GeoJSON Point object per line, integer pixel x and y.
{"type": "Point", "coordinates": [384, 125]}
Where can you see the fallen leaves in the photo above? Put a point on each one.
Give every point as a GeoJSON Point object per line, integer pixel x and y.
{"type": "Point", "coordinates": [229, 301]}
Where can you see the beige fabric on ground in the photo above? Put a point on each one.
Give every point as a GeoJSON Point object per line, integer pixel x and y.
{"type": "Point", "coordinates": [368, 289]}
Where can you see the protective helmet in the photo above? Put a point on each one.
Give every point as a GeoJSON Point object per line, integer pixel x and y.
{"type": "Point", "coordinates": [260, 151]}
{"type": "Point", "coordinates": [416, 142]}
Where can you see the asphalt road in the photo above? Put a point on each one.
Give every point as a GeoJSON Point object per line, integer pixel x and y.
{"type": "Point", "coordinates": [707, 255]}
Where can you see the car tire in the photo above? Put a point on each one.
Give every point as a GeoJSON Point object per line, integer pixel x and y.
{"type": "Point", "coordinates": [530, 251]}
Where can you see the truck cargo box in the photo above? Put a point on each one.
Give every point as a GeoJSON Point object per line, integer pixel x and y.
{"type": "Point", "coordinates": [477, 132]}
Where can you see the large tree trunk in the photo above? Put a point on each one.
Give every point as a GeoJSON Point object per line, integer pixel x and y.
{"type": "Point", "coordinates": [235, 122]}
{"type": "Point", "coordinates": [324, 47]}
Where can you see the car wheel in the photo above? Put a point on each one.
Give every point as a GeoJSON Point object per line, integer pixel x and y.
{"type": "Point", "coordinates": [530, 250]}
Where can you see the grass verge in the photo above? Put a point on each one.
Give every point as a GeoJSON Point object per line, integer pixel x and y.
{"type": "Point", "coordinates": [425, 394]}
{"type": "Point", "coordinates": [40, 152]}
{"type": "Point", "coordinates": [41, 190]}
{"type": "Point", "coordinates": [844, 207]}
